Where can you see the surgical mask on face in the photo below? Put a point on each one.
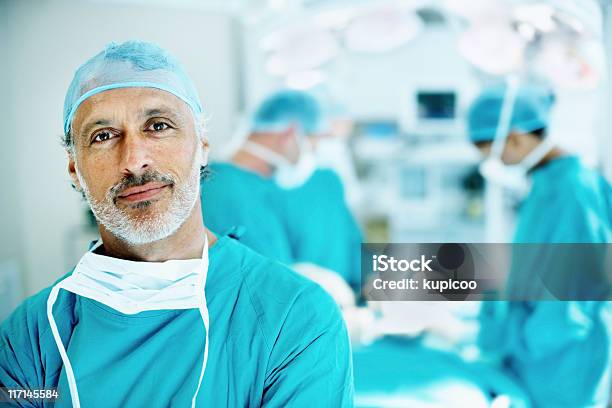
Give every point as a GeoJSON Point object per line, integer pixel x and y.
{"type": "Point", "coordinates": [493, 168]}
{"type": "Point", "coordinates": [287, 175]}
{"type": "Point", "coordinates": [514, 176]}
{"type": "Point", "coordinates": [133, 287]}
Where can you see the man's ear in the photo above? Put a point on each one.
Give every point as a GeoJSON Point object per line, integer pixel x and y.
{"type": "Point", "coordinates": [72, 172]}
{"type": "Point", "coordinates": [205, 146]}
{"type": "Point", "coordinates": [514, 139]}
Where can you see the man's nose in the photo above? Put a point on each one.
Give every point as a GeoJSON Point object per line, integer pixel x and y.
{"type": "Point", "coordinates": [135, 158]}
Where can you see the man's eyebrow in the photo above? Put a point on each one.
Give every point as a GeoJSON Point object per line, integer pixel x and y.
{"type": "Point", "coordinates": [146, 113]}
{"type": "Point", "coordinates": [92, 125]}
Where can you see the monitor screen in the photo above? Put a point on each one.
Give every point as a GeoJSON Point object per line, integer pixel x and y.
{"type": "Point", "coordinates": [379, 129]}
{"type": "Point", "coordinates": [436, 105]}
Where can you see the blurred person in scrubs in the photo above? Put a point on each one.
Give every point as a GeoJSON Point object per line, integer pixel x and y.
{"type": "Point", "coordinates": [332, 147]}
{"type": "Point", "coordinates": [240, 196]}
{"type": "Point", "coordinates": [160, 311]}
{"type": "Point", "coordinates": [559, 350]}
{"type": "Point", "coordinates": [305, 203]}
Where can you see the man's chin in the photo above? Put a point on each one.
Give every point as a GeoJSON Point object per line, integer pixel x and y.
{"type": "Point", "coordinates": [146, 214]}
{"type": "Point", "coordinates": [143, 229]}
{"type": "Point", "coordinates": [141, 205]}
{"type": "Point", "coordinates": [140, 208]}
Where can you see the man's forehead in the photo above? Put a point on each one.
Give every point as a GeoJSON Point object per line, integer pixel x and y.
{"type": "Point", "coordinates": [131, 102]}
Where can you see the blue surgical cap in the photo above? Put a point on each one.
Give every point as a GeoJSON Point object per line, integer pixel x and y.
{"type": "Point", "coordinates": [285, 108]}
{"type": "Point", "coordinates": [132, 64]}
{"type": "Point", "coordinates": [531, 111]}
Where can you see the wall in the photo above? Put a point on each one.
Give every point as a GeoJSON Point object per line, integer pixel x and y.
{"type": "Point", "coordinates": [378, 85]}
{"type": "Point", "coordinates": [46, 42]}
{"type": "Point", "coordinates": [383, 85]}
{"type": "Point", "coordinates": [9, 210]}
{"type": "Point", "coordinates": [606, 139]}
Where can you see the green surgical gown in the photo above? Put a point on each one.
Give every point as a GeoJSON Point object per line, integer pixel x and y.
{"type": "Point", "coordinates": [559, 350]}
{"type": "Point", "coordinates": [236, 197]}
{"type": "Point", "coordinates": [276, 340]}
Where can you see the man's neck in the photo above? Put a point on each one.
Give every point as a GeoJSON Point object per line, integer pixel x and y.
{"type": "Point", "coordinates": [248, 161]}
{"type": "Point", "coordinates": [552, 155]}
{"type": "Point", "coordinates": [186, 243]}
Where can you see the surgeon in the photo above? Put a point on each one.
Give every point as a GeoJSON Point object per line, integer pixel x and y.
{"type": "Point", "coordinates": [160, 311]}
{"type": "Point", "coordinates": [274, 175]}
{"type": "Point", "coordinates": [332, 147]}
{"type": "Point", "coordinates": [241, 195]}
{"type": "Point", "coordinates": [559, 350]}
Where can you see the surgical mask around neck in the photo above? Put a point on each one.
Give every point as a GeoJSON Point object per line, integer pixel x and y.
{"type": "Point", "coordinates": [287, 175]}
{"type": "Point", "coordinates": [134, 287]}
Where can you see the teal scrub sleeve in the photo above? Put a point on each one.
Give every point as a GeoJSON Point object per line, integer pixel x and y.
{"type": "Point", "coordinates": [554, 326]}
{"type": "Point", "coordinates": [499, 323]}
{"type": "Point", "coordinates": [566, 358]}
{"type": "Point", "coordinates": [23, 336]}
{"type": "Point", "coordinates": [18, 368]}
{"type": "Point", "coordinates": [311, 362]}
{"type": "Point", "coordinates": [14, 367]}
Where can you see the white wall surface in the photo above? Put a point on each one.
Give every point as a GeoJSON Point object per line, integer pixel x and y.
{"type": "Point", "coordinates": [384, 86]}
{"type": "Point", "coordinates": [378, 85]}
{"type": "Point", "coordinates": [10, 211]}
{"type": "Point", "coordinates": [46, 42]}
{"type": "Point", "coordinates": [606, 139]}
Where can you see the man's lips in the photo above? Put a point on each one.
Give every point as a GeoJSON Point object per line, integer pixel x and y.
{"type": "Point", "coordinates": [141, 193]}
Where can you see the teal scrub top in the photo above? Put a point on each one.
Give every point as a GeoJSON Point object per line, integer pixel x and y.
{"type": "Point", "coordinates": [321, 227]}
{"type": "Point", "coordinates": [276, 340]}
{"type": "Point", "coordinates": [559, 350]}
{"type": "Point", "coordinates": [236, 197]}
{"type": "Point", "coordinates": [568, 203]}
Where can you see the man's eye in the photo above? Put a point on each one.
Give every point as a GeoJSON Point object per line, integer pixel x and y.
{"type": "Point", "coordinates": [102, 136]}
{"type": "Point", "coordinates": [159, 126]}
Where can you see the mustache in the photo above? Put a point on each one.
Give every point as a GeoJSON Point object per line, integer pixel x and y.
{"type": "Point", "coordinates": [135, 181]}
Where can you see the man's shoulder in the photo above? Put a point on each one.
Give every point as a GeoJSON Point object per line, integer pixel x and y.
{"type": "Point", "coordinates": [324, 180]}
{"type": "Point", "coordinates": [277, 293]}
{"type": "Point", "coordinates": [300, 328]}
{"type": "Point", "coordinates": [585, 194]}
{"type": "Point", "coordinates": [221, 172]}
{"type": "Point", "coordinates": [326, 175]}
{"type": "Point", "coordinates": [269, 279]}
{"type": "Point", "coordinates": [30, 317]}
{"type": "Point", "coordinates": [227, 185]}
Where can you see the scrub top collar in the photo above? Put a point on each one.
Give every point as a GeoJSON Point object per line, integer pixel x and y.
{"type": "Point", "coordinates": [215, 254]}
{"type": "Point", "coordinates": [555, 168]}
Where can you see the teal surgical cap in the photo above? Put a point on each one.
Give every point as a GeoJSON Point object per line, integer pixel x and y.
{"type": "Point", "coordinates": [530, 111]}
{"type": "Point", "coordinates": [285, 108]}
{"type": "Point", "coordinates": [132, 64]}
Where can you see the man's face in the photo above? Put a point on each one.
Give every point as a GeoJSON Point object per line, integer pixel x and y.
{"type": "Point", "coordinates": [293, 143]}
{"type": "Point", "coordinates": [514, 149]}
{"type": "Point", "coordinates": [137, 158]}
{"type": "Point", "coordinates": [291, 149]}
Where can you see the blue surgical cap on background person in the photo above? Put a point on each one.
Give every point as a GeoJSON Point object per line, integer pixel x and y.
{"type": "Point", "coordinates": [285, 108]}
{"type": "Point", "coordinates": [530, 111]}
{"type": "Point", "coordinates": [132, 64]}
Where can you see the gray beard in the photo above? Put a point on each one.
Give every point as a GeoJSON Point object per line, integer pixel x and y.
{"type": "Point", "coordinates": [137, 230]}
